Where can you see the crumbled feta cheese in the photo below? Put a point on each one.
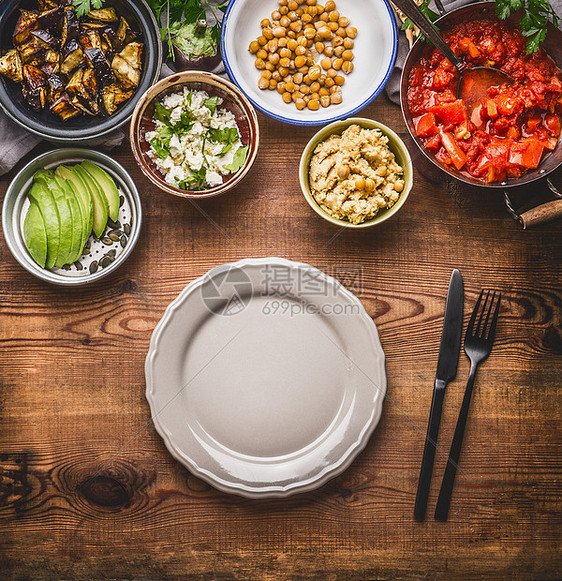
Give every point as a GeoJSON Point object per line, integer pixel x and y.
{"type": "Point", "coordinates": [194, 146]}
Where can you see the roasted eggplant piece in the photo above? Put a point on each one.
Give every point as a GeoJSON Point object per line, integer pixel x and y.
{"type": "Point", "coordinates": [126, 65]}
{"type": "Point", "coordinates": [51, 19]}
{"type": "Point", "coordinates": [113, 96]}
{"type": "Point", "coordinates": [56, 88]}
{"type": "Point", "coordinates": [11, 66]}
{"type": "Point", "coordinates": [46, 5]}
{"type": "Point", "coordinates": [90, 39]}
{"type": "Point", "coordinates": [100, 65]}
{"type": "Point", "coordinates": [90, 84]}
{"type": "Point", "coordinates": [124, 33]}
{"type": "Point", "coordinates": [72, 55]}
{"type": "Point", "coordinates": [103, 15]}
{"type": "Point", "coordinates": [70, 26]}
{"type": "Point", "coordinates": [27, 22]}
{"type": "Point", "coordinates": [32, 51]}
{"type": "Point", "coordinates": [74, 86]}
{"type": "Point", "coordinates": [64, 108]}
{"type": "Point", "coordinates": [52, 63]}
{"type": "Point", "coordinates": [109, 36]}
{"type": "Point", "coordinates": [48, 40]}
{"type": "Point", "coordinates": [36, 87]}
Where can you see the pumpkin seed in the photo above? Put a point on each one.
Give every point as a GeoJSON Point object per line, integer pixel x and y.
{"type": "Point", "coordinates": [121, 201]}
{"type": "Point", "coordinates": [112, 253]}
{"type": "Point", "coordinates": [86, 250]}
{"type": "Point", "coordinates": [127, 229]}
{"type": "Point", "coordinates": [106, 261]}
{"type": "Point", "coordinates": [113, 224]}
{"type": "Point", "coordinates": [66, 266]}
{"type": "Point", "coordinates": [79, 266]}
{"type": "Point", "coordinates": [123, 241]}
{"type": "Point", "coordinates": [115, 231]}
{"type": "Point", "coordinates": [114, 237]}
{"type": "Point", "coordinates": [107, 241]}
{"type": "Point", "coordinates": [93, 267]}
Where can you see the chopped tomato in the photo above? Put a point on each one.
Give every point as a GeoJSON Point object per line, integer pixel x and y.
{"type": "Point", "coordinates": [426, 126]}
{"type": "Point", "coordinates": [450, 113]}
{"type": "Point", "coordinates": [526, 153]}
{"type": "Point", "coordinates": [552, 124]}
{"type": "Point", "coordinates": [533, 123]}
{"type": "Point", "coordinates": [491, 109]}
{"type": "Point", "coordinates": [507, 103]}
{"type": "Point", "coordinates": [458, 156]}
{"type": "Point", "coordinates": [433, 143]}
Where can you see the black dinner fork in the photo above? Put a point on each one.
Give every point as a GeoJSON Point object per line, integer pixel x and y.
{"type": "Point", "coordinates": [477, 346]}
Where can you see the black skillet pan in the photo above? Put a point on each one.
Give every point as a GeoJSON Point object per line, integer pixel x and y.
{"type": "Point", "coordinates": [551, 160]}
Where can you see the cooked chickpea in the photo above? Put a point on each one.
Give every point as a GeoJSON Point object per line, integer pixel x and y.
{"type": "Point", "coordinates": [325, 33]}
{"type": "Point", "coordinates": [333, 26]}
{"type": "Point", "coordinates": [262, 54]}
{"type": "Point", "coordinates": [305, 89]}
{"type": "Point", "coordinates": [343, 170]}
{"type": "Point", "coordinates": [314, 72]}
{"type": "Point", "coordinates": [311, 2]}
{"type": "Point", "coordinates": [339, 80]}
{"type": "Point", "coordinates": [337, 41]}
{"type": "Point", "coordinates": [332, 73]}
{"type": "Point", "coordinates": [329, 51]}
{"type": "Point", "coordinates": [293, 4]}
{"type": "Point", "coordinates": [315, 87]}
{"type": "Point", "coordinates": [287, 97]}
{"type": "Point", "coordinates": [381, 170]}
{"type": "Point", "coordinates": [347, 55]}
{"type": "Point", "coordinates": [329, 83]}
{"type": "Point", "coordinates": [325, 101]}
{"type": "Point", "coordinates": [338, 51]}
{"type": "Point", "coordinates": [340, 32]}
{"type": "Point", "coordinates": [260, 64]}
{"type": "Point", "coordinates": [369, 185]}
{"type": "Point", "coordinates": [348, 43]}
{"type": "Point", "coordinates": [300, 104]}
{"type": "Point", "coordinates": [284, 9]}
{"type": "Point", "coordinates": [313, 104]}
{"type": "Point", "coordinates": [254, 47]}
{"type": "Point", "coordinates": [289, 86]}
{"type": "Point", "coordinates": [336, 98]}
{"type": "Point", "coordinates": [269, 66]}
{"type": "Point", "coordinates": [347, 67]}
{"type": "Point", "coordinates": [343, 21]}
{"type": "Point", "coordinates": [359, 184]}
{"type": "Point", "coordinates": [276, 15]}
{"type": "Point", "coordinates": [319, 46]}
{"type": "Point", "coordinates": [330, 5]}
{"type": "Point", "coordinates": [292, 44]}
{"type": "Point", "coordinates": [262, 41]}
{"type": "Point", "coordinates": [300, 61]}
{"type": "Point", "coordinates": [306, 17]}
{"type": "Point", "coordinates": [283, 72]}
{"type": "Point", "coordinates": [263, 84]}
{"type": "Point", "coordinates": [268, 33]}
{"type": "Point", "coordinates": [337, 64]}
{"type": "Point", "coordinates": [351, 31]}
{"type": "Point", "coordinates": [398, 185]}
{"type": "Point", "coordinates": [326, 64]}
{"type": "Point", "coordinates": [297, 78]}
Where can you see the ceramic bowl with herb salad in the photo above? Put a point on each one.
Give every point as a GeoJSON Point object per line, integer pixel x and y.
{"type": "Point", "coordinates": [194, 135]}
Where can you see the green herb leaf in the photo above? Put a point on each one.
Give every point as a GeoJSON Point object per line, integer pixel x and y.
{"type": "Point", "coordinates": [83, 7]}
{"type": "Point", "coordinates": [226, 135]}
{"type": "Point", "coordinates": [431, 16]}
{"type": "Point", "coordinates": [534, 21]}
{"type": "Point", "coordinates": [238, 159]}
{"type": "Point", "coordinates": [211, 104]}
{"type": "Point", "coordinates": [162, 114]}
{"type": "Point", "coordinates": [159, 147]}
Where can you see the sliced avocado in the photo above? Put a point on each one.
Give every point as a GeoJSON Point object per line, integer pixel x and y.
{"type": "Point", "coordinates": [100, 201]}
{"type": "Point", "coordinates": [47, 179]}
{"type": "Point", "coordinates": [35, 234]}
{"type": "Point", "coordinates": [77, 225]}
{"type": "Point", "coordinates": [41, 195]}
{"type": "Point", "coordinates": [107, 186]}
{"type": "Point", "coordinates": [83, 193]}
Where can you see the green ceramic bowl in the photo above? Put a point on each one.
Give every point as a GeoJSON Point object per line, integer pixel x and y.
{"type": "Point", "coordinates": [397, 146]}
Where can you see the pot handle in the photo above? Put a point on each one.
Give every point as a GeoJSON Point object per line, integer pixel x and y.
{"type": "Point", "coordinates": [542, 214]}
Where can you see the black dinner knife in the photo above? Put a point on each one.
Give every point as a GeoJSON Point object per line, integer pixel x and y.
{"type": "Point", "coordinates": [446, 371]}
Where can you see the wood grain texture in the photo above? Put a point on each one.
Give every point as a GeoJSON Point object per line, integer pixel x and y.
{"type": "Point", "coordinates": [88, 490]}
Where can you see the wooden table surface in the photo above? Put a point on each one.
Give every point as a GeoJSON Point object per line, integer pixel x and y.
{"type": "Point", "coordinates": [88, 490]}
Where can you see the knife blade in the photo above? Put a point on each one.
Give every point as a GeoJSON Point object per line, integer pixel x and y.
{"type": "Point", "coordinates": [446, 370]}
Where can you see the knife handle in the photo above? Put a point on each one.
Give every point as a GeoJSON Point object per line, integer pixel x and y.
{"type": "Point", "coordinates": [429, 450]}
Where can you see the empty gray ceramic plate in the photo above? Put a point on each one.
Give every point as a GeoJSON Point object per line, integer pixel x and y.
{"type": "Point", "coordinates": [84, 271]}
{"type": "Point", "coordinates": [265, 377]}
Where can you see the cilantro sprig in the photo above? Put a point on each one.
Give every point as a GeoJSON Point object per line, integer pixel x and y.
{"type": "Point", "coordinates": [170, 14]}
{"type": "Point", "coordinates": [534, 21]}
{"type": "Point", "coordinates": [83, 7]}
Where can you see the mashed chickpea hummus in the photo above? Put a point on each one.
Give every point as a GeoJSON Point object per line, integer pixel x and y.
{"type": "Point", "coordinates": [354, 175]}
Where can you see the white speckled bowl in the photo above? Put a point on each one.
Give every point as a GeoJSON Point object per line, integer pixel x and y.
{"type": "Point", "coordinates": [375, 53]}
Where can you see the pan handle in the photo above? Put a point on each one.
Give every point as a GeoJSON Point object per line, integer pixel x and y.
{"type": "Point", "coordinates": [540, 214]}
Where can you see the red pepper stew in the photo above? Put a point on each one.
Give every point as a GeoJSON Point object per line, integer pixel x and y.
{"type": "Point", "coordinates": [510, 128]}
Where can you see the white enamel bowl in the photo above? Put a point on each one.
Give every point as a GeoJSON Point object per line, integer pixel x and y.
{"type": "Point", "coordinates": [374, 50]}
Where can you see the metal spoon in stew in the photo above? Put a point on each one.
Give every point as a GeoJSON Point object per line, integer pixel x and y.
{"type": "Point", "coordinates": [474, 81]}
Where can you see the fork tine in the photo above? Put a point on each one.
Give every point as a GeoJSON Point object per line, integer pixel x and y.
{"type": "Point", "coordinates": [477, 332]}
{"type": "Point", "coordinates": [492, 331]}
{"type": "Point", "coordinates": [470, 328]}
{"type": "Point", "coordinates": [485, 328]}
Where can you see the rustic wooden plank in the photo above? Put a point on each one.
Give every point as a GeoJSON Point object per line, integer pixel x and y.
{"type": "Point", "coordinates": [88, 490]}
